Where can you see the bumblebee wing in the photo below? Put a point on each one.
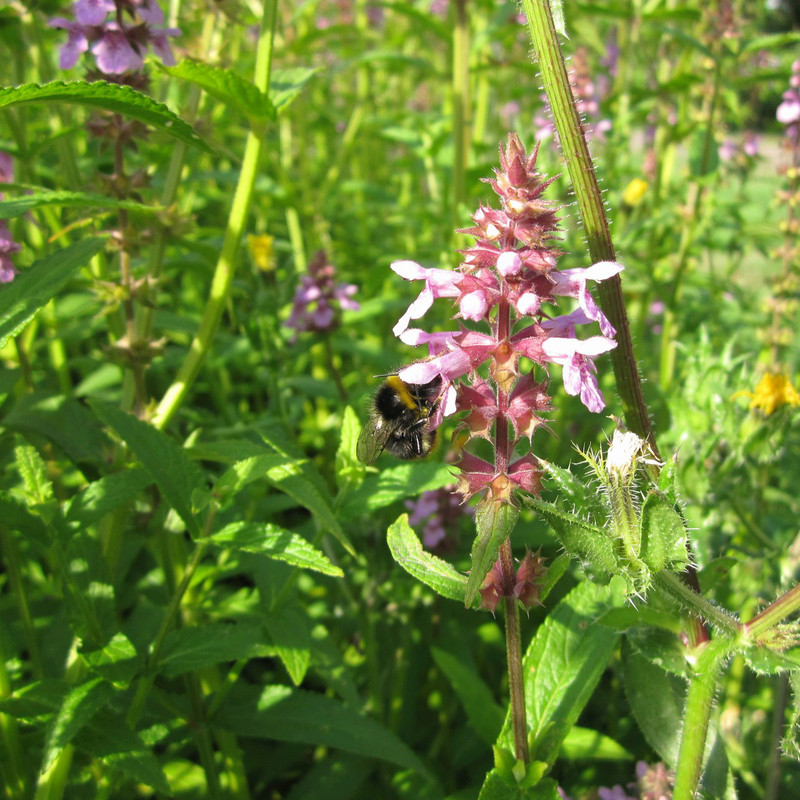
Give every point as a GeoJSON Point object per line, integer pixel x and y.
{"type": "Point", "coordinates": [373, 438]}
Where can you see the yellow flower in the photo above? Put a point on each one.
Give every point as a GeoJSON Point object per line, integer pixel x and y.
{"type": "Point", "coordinates": [261, 251]}
{"type": "Point", "coordinates": [772, 392]}
{"type": "Point", "coordinates": [634, 192]}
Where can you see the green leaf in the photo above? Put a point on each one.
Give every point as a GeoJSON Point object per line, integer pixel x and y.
{"type": "Point", "coordinates": [582, 744]}
{"type": "Point", "coordinates": [65, 422]}
{"type": "Point", "coordinates": [301, 481]}
{"type": "Point", "coordinates": [37, 702]}
{"type": "Point", "coordinates": [176, 476]}
{"type": "Point", "coordinates": [255, 468]}
{"type": "Point", "coordinates": [290, 631]}
{"type": "Point", "coordinates": [103, 496]}
{"type": "Point", "coordinates": [275, 542]}
{"type": "Point", "coordinates": [563, 663]}
{"type": "Point", "coordinates": [663, 535]}
{"type": "Point", "coordinates": [483, 711]}
{"type": "Point", "coordinates": [396, 483]}
{"type": "Point", "coordinates": [201, 646]}
{"type": "Point", "coordinates": [109, 740]}
{"type": "Point", "coordinates": [407, 551]}
{"type": "Point", "coordinates": [347, 464]}
{"type": "Point", "coordinates": [111, 97]}
{"type": "Point", "coordinates": [79, 706]}
{"type": "Point", "coordinates": [496, 787]}
{"type": "Point", "coordinates": [656, 700]}
{"type": "Point", "coordinates": [63, 199]}
{"type": "Point", "coordinates": [117, 662]}
{"type": "Point", "coordinates": [494, 521]}
{"type": "Point", "coordinates": [580, 538]}
{"type": "Point", "coordinates": [292, 715]}
{"type": "Point", "coordinates": [33, 471]}
{"type": "Point", "coordinates": [34, 287]}
{"type": "Point", "coordinates": [286, 84]}
{"type": "Point", "coordinates": [237, 93]}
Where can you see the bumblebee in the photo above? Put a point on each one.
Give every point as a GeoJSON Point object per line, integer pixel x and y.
{"type": "Point", "coordinates": [398, 420]}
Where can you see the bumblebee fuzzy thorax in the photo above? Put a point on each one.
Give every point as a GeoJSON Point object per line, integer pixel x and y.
{"type": "Point", "coordinates": [399, 420]}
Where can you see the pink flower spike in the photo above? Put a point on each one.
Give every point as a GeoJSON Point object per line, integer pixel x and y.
{"type": "Point", "coordinates": [438, 283]}
{"type": "Point", "coordinates": [578, 370]}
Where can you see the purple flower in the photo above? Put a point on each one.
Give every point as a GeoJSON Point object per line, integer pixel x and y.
{"type": "Point", "coordinates": [114, 54]}
{"type": "Point", "coordinates": [77, 42]}
{"type": "Point", "coordinates": [119, 46]}
{"type": "Point", "coordinates": [7, 246]}
{"type": "Point", "coordinates": [92, 12]}
{"type": "Point", "coordinates": [318, 300]}
{"type": "Point", "coordinates": [579, 371]}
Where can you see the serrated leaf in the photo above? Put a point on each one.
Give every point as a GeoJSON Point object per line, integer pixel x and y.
{"type": "Point", "coordinates": [201, 646]}
{"type": "Point", "coordinates": [407, 551]}
{"type": "Point", "coordinates": [33, 471]}
{"type": "Point", "coordinates": [109, 740]}
{"type": "Point", "coordinates": [304, 484]}
{"type": "Point", "coordinates": [496, 787]}
{"type": "Point", "coordinates": [290, 631]}
{"type": "Point", "coordinates": [78, 707]}
{"type": "Point", "coordinates": [580, 538]}
{"type": "Point", "coordinates": [176, 476]}
{"type": "Point", "coordinates": [275, 542]}
{"type": "Point", "coordinates": [36, 702]}
{"type": "Point", "coordinates": [253, 468]}
{"type": "Point", "coordinates": [286, 84]}
{"type": "Point", "coordinates": [764, 661]}
{"type": "Point", "coordinates": [117, 662]}
{"type": "Point", "coordinates": [292, 715]}
{"type": "Point", "coordinates": [39, 284]}
{"type": "Point", "coordinates": [103, 496]}
{"type": "Point", "coordinates": [494, 522]}
{"type": "Point", "coordinates": [64, 421]}
{"type": "Point", "coordinates": [346, 461]}
{"type": "Point", "coordinates": [237, 93]}
{"type": "Point", "coordinates": [396, 483]}
{"type": "Point", "coordinates": [656, 700]}
{"type": "Point", "coordinates": [483, 711]}
{"type": "Point", "coordinates": [44, 197]}
{"type": "Point", "coordinates": [111, 97]}
{"type": "Point", "coordinates": [562, 666]}
{"type": "Point", "coordinates": [663, 535]}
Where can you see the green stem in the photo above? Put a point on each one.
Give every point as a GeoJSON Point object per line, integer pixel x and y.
{"type": "Point", "coordinates": [774, 613]}
{"type": "Point", "coordinates": [519, 722]}
{"type": "Point", "coordinates": [226, 265]}
{"type": "Point", "coordinates": [590, 204]}
{"type": "Point", "coordinates": [146, 681]}
{"type": "Point", "coordinates": [697, 604]}
{"type": "Point", "coordinates": [697, 715]}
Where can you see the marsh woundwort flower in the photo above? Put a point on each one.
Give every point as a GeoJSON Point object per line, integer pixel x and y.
{"type": "Point", "coordinates": [493, 367]}
{"type": "Point", "coordinates": [118, 33]}
{"type": "Point", "coordinates": [7, 244]}
{"type": "Point", "coordinates": [319, 299]}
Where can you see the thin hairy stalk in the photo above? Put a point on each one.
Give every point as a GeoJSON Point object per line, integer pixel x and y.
{"type": "Point", "coordinates": [590, 204]}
